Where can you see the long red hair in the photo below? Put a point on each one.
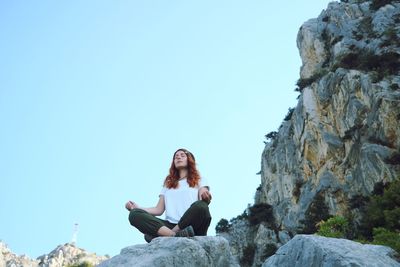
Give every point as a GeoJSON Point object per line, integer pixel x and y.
{"type": "Point", "coordinates": [172, 179]}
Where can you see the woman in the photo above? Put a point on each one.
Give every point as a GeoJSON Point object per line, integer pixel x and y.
{"type": "Point", "coordinates": [184, 198]}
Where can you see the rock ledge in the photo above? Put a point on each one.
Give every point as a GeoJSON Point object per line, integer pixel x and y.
{"type": "Point", "coordinates": [172, 251]}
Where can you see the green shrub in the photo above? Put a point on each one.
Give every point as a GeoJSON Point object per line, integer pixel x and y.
{"type": "Point", "coordinates": [269, 250]}
{"type": "Point", "coordinates": [376, 4]}
{"type": "Point", "coordinates": [383, 210]}
{"type": "Point", "coordinates": [385, 64]}
{"type": "Point", "coordinates": [289, 114]}
{"type": "Point", "coordinates": [223, 226]}
{"type": "Point", "coordinates": [243, 216]}
{"type": "Point", "coordinates": [388, 238]}
{"type": "Point", "coordinates": [357, 35]}
{"type": "Point", "coordinates": [396, 18]}
{"type": "Point", "coordinates": [303, 83]}
{"type": "Point", "coordinates": [394, 86]}
{"type": "Point", "coordinates": [271, 135]}
{"type": "Point", "coordinates": [394, 159]}
{"type": "Point", "coordinates": [316, 212]}
{"type": "Point", "coordinates": [365, 26]}
{"type": "Point", "coordinates": [336, 227]}
{"type": "Point", "coordinates": [297, 189]}
{"type": "Point", "coordinates": [390, 37]}
{"type": "Point", "coordinates": [248, 255]}
{"type": "Point", "coordinates": [261, 213]}
{"type": "Point", "coordinates": [379, 188]}
{"type": "Point", "coordinates": [358, 202]}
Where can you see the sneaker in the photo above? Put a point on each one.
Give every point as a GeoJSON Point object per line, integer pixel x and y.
{"type": "Point", "coordinates": [187, 232]}
{"type": "Point", "coordinates": [148, 238]}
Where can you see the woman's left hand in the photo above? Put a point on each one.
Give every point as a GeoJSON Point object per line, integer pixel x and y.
{"type": "Point", "coordinates": [206, 196]}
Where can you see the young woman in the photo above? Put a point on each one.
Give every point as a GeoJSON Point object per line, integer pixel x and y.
{"type": "Point", "coordinates": [184, 198]}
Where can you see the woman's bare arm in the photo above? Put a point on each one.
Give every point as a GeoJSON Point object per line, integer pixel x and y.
{"type": "Point", "coordinates": [156, 211]}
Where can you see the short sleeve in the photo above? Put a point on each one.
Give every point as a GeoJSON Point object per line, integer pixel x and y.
{"type": "Point", "coordinates": [163, 190]}
{"type": "Point", "coordinates": [204, 183]}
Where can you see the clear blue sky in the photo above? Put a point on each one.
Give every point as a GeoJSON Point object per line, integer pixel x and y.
{"type": "Point", "coordinates": [95, 96]}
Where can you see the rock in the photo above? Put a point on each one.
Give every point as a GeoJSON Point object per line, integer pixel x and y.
{"type": "Point", "coordinates": [9, 259]}
{"type": "Point", "coordinates": [312, 250]}
{"type": "Point", "coordinates": [69, 254]}
{"type": "Point", "coordinates": [343, 137]}
{"type": "Point", "coordinates": [63, 255]}
{"type": "Point", "coordinates": [171, 251]}
{"type": "Point", "coordinates": [240, 236]}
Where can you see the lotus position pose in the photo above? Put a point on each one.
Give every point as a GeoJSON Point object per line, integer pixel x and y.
{"type": "Point", "coordinates": [184, 198]}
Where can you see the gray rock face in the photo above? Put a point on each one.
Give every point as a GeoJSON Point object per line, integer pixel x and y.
{"type": "Point", "coordinates": [245, 239]}
{"type": "Point", "coordinates": [344, 133]}
{"type": "Point", "coordinates": [172, 251]}
{"type": "Point", "coordinates": [312, 250]}
{"type": "Point", "coordinates": [240, 237]}
{"type": "Point", "coordinates": [343, 136]}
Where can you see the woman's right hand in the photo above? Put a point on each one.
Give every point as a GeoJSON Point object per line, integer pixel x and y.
{"type": "Point", "coordinates": [130, 205]}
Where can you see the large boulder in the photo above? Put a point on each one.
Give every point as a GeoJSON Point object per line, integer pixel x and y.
{"type": "Point", "coordinates": [173, 251]}
{"type": "Point", "coordinates": [313, 250]}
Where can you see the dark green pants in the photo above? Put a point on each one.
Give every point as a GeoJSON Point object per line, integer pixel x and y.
{"type": "Point", "coordinates": [198, 216]}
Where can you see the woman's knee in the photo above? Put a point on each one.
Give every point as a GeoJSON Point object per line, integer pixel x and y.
{"type": "Point", "coordinates": [200, 206]}
{"type": "Point", "coordinates": [135, 215]}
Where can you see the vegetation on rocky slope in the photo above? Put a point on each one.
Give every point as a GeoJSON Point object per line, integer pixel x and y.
{"type": "Point", "coordinates": [380, 224]}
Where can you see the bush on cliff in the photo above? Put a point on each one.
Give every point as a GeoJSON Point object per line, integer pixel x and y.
{"type": "Point", "coordinates": [261, 213]}
{"type": "Point", "coordinates": [383, 65]}
{"type": "Point", "coordinates": [383, 210]}
{"type": "Point", "coordinates": [376, 4]}
{"type": "Point", "coordinates": [222, 226]}
{"type": "Point", "coordinates": [316, 212]}
{"type": "Point", "coordinates": [247, 258]}
{"type": "Point", "coordinates": [388, 238]}
{"type": "Point", "coordinates": [336, 227]}
{"type": "Point", "coordinates": [303, 83]}
{"type": "Point", "coordinates": [381, 219]}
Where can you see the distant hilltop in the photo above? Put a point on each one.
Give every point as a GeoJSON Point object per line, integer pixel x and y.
{"type": "Point", "coordinates": [63, 255]}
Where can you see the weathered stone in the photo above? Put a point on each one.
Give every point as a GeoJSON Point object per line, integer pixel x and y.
{"type": "Point", "coordinates": [343, 136]}
{"type": "Point", "coordinates": [312, 250]}
{"type": "Point", "coordinates": [344, 130]}
{"type": "Point", "coordinates": [172, 251]}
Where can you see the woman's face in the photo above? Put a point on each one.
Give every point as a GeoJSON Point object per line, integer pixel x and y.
{"type": "Point", "coordinates": [180, 159]}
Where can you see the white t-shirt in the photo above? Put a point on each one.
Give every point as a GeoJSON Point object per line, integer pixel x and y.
{"type": "Point", "coordinates": [178, 200]}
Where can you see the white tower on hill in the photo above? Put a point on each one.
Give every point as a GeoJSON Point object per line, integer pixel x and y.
{"type": "Point", "coordinates": [75, 234]}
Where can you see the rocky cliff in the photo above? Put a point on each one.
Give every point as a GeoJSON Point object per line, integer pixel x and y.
{"type": "Point", "coordinates": [342, 138]}
{"type": "Point", "coordinates": [63, 255]}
